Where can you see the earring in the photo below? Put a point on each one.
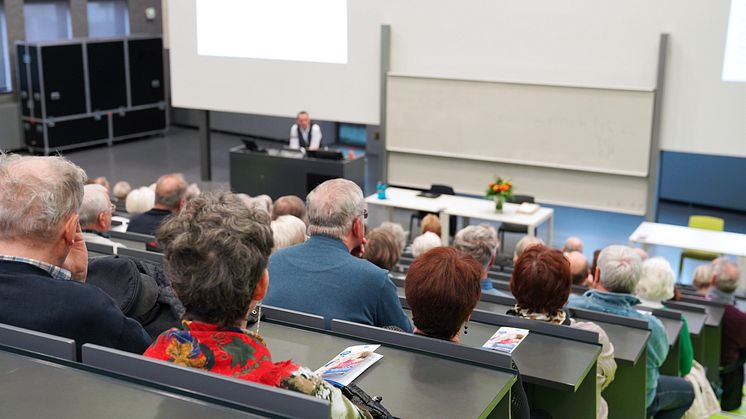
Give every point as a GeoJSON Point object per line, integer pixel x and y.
{"type": "Point", "coordinates": [466, 328]}
{"type": "Point", "coordinates": [258, 312]}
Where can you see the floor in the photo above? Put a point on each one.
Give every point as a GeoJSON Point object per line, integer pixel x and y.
{"type": "Point", "coordinates": [141, 162]}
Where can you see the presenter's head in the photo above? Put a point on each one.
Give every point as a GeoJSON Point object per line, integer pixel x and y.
{"type": "Point", "coordinates": [303, 120]}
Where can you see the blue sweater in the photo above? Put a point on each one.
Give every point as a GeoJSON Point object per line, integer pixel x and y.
{"type": "Point", "coordinates": [622, 305]}
{"type": "Point", "coordinates": [321, 277]}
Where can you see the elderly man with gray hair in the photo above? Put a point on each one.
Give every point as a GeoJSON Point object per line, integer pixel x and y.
{"type": "Point", "coordinates": [95, 215]}
{"type": "Point", "coordinates": [325, 275]}
{"type": "Point", "coordinates": [724, 281]}
{"type": "Point", "coordinates": [524, 244]}
{"type": "Point", "coordinates": [43, 258]}
{"type": "Point", "coordinates": [170, 197]}
{"type": "Point", "coordinates": [480, 241]}
{"type": "Point", "coordinates": [616, 277]}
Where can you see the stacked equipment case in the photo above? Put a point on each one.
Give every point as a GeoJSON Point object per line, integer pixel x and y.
{"type": "Point", "coordinates": [76, 93]}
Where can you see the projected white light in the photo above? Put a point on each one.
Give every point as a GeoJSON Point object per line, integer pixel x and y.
{"type": "Point", "coordinates": [734, 64]}
{"type": "Point", "coordinates": [292, 30]}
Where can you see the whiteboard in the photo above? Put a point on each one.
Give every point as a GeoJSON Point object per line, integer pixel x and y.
{"type": "Point", "coordinates": [576, 128]}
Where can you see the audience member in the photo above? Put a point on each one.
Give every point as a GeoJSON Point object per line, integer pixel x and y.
{"type": "Point", "coordinates": [101, 180]}
{"type": "Point", "coordinates": [326, 275]}
{"type": "Point", "coordinates": [289, 205]}
{"type": "Point", "coordinates": [95, 215]}
{"type": "Point", "coordinates": [382, 248]}
{"type": "Point", "coordinates": [260, 202]}
{"type": "Point", "coordinates": [287, 231]}
{"type": "Point", "coordinates": [480, 241]}
{"type": "Point", "coordinates": [121, 190]}
{"type": "Point", "coordinates": [398, 231]}
{"type": "Point", "coordinates": [442, 289]}
{"type": "Point", "coordinates": [573, 244]}
{"type": "Point", "coordinates": [170, 193]}
{"type": "Point", "coordinates": [431, 223]}
{"type": "Point", "coordinates": [641, 253]}
{"type": "Point", "coordinates": [657, 285]}
{"type": "Point", "coordinates": [541, 284]}
{"type": "Point", "coordinates": [579, 269]}
{"type": "Point", "coordinates": [42, 249]}
{"type": "Point", "coordinates": [702, 278]}
{"type": "Point", "coordinates": [192, 191]}
{"type": "Point", "coordinates": [525, 243]}
{"type": "Point", "coordinates": [216, 255]}
{"type": "Point", "coordinates": [616, 278]}
{"type": "Point", "coordinates": [140, 200]}
{"type": "Point", "coordinates": [724, 282]}
{"type": "Point", "coordinates": [425, 242]}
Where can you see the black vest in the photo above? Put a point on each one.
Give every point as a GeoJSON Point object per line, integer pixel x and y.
{"type": "Point", "coordinates": [304, 142]}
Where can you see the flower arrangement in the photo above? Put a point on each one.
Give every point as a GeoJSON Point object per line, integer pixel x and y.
{"type": "Point", "coordinates": [499, 190]}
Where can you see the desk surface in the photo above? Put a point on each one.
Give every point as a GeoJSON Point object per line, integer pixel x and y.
{"type": "Point", "coordinates": [32, 388]}
{"type": "Point", "coordinates": [695, 320]}
{"type": "Point", "coordinates": [478, 208]}
{"type": "Point", "coordinates": [484, 209]}
{"type": "Point", "coordinates": [411, 384]}
{"type": "Point", "coordinates": [673, 329]}
{"type": "Point", "coordinates": [690, 238]}
{"type": "Point", "coordinates": [629, 342]}
{"type": "Point", "coordinates": [714, 315]}
{"type": "Point", "coordinates": [565, 369]}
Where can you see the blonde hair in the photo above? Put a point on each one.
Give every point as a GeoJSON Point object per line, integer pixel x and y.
{"type": "Point", "coordinates": [140, 200]}
{"type": "Point", "coordinates": [431, 223]}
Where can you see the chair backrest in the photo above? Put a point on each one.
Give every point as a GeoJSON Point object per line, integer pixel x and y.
{"type": "Point", "coordinates": [38, 342]}
{"type": "Point", "coordinates": [442, 189]}
{"type": "Point", "coordinates": [141, 254]}
{"type": "Point", "coordinates": [520, 199]}
{"type": "Point", "coordinates": [200, 384]}
{"type": "Point", "coordinates": [705, 222]}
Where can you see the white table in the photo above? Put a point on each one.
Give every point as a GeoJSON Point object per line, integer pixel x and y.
{"type": "Point", "coordinates": [683, 237]}
{"type": "Point", "coordinates": [477, 208]}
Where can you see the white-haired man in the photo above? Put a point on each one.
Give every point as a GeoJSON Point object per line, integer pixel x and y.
{"type": "Point", "coordinates": [480, 241]}
{"type": "Point", "coordinates": [325, 275]}
{"type": "Point", "coordinates": [95, 215]}
{"type": "Point", "coordinates": [616, 277]}
{"type": "Point", "coordinates": [42, 249]}
{"type": "Point", "coordinates": [525, 243]}
{"type": "Point", "coordinates": [724, 282]}
{"type": "Point", "coordinates": [170, 197]}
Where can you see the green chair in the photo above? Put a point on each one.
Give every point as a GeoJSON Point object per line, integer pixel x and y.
{"type": "Point", "coordinates": [703, 222]}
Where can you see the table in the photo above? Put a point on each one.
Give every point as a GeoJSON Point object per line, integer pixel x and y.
{"type": "Point", "coordinates": [411, 384]}
{"type": "Point", "coordinates": [462, 206]}
{"type": "Point", "coordinates": [32, 387]}
{"type": "Point", "coordinates": [563, 383]}
{"type": "Point", "coordinates": [683, 237]}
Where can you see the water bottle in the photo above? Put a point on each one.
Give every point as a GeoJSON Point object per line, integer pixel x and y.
{"type": "Point", "coordinates": [381, 188]}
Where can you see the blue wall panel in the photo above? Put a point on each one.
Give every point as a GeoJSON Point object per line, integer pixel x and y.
{"type": "Point", "coordinates": [716, 181]}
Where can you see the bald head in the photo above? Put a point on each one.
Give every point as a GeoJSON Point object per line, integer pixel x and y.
{"type": "Point", "coordinates": [573, 244]}
{"type": "Point", "coordinates": [579, 268]}
{"type": "Point", "coordinates": [289, 205]}
{"type": "Point", "coordinates": [725, 275]}
{"type": "Point", "coordinates": [170, 192]}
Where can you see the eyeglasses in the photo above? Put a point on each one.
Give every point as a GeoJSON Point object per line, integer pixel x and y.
{"type": "Point", "coordinates": [365, 214]}
{"type": "Point", "coordinates": [113, 207]}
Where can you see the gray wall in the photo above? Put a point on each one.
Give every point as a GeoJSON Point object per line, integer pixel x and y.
{"type": "Point", "coordinates": [10, 138]}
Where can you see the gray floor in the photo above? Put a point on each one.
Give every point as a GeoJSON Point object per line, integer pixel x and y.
{"type": "Point", "coordinates": [140, 162]}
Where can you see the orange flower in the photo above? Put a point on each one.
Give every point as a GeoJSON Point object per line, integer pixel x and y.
{"type": "Point", "coordinates": [496, 188]}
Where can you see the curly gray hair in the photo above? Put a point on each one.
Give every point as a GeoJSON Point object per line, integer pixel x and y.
{"type": "Point", "coordinates": [215, 252]}
{"type": "Point", "coordinates": [620, 268]}
{"type": "Point", "coordinates": [479, 241]}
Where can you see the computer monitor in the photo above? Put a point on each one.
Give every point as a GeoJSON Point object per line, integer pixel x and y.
{"type": "Point", "coordinates": [251, 145]}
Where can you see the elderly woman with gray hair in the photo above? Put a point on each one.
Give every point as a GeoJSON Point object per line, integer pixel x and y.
{"type": "Point", "coordinates": [480, 241]}
{"type": "Point", "coordinates": [216, 252]}
{"type": "Point", "coordinates": [657, 285]}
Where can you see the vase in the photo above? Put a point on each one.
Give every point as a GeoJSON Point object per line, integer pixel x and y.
{"type": "Point", "coordinates": [499, 201]}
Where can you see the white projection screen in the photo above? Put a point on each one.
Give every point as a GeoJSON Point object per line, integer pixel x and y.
{"type": "Point", "coordinates": [734, 63]}
{"type": "Point", "coordinates": [277, 57]}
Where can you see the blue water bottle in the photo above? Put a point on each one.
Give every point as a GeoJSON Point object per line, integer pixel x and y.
{"type": "Point", "coordinates": [381, 188]}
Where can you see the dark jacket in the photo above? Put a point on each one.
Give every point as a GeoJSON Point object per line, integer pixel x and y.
{"type": "Point", "coordinates": [30, 298]}
{"type": "Point", "coordinates": [321, 277]}
{"type": "Point", "coordinates": [148, 222]}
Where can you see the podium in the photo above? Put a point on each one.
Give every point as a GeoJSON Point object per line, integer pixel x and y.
{"type": "Point", "coordinates": [277, 172]}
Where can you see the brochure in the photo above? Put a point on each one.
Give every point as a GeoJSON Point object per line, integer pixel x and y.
{"type": "Point", "coordinates": [349, 364]}
{"type": "Point", "coordinates": [506, 339]}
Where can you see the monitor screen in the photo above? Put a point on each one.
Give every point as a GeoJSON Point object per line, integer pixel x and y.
{"type": "Point", "coordinates": [352, 134]}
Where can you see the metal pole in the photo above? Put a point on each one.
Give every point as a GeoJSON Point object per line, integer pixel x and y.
{"type": "Point", "coordinates": [204, 142]}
